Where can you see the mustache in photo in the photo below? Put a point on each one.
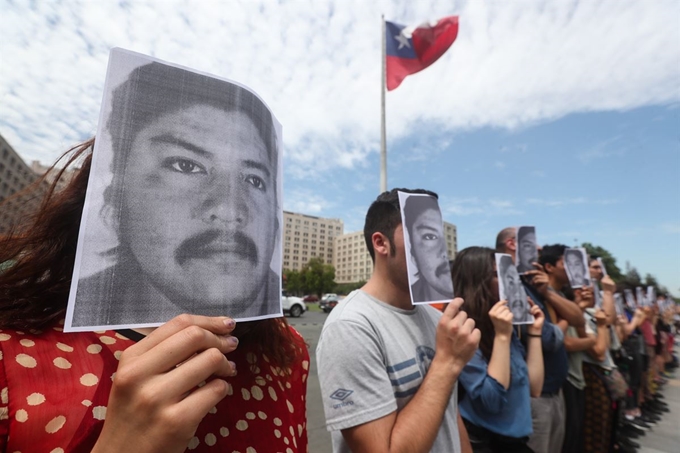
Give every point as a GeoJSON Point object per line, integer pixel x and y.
{"type": "Point", "coordinates": [212, 241]}
{"type": "Point", "coordinates": [443, 269]}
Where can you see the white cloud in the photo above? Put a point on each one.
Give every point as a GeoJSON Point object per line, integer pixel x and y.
{"type": "Point", "coordinates": [318, 65]}
{"type": "Point", "coordinates": [569, 201]}
{"type": "Point", "coordinates": [305, 202]}
{"type": "Point", "coordinates": [498, 164]}
{"type": "Point", "coordinates": [475, 206]}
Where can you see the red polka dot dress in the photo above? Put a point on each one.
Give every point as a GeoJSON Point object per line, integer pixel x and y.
{"type": "Point", "coordinates": [55, 387]}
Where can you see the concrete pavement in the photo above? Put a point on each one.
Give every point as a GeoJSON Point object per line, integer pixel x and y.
{"type": "Point", "coordinates": [665, 436]}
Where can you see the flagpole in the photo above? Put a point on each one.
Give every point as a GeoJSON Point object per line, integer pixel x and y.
{"type": "Point", "coordinates": [383, 141]}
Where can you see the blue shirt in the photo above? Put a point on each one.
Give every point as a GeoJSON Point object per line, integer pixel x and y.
{"type": "Point", "coordinates": [554, 354]}
{"type": "Point", "coordinates": [487, 404]}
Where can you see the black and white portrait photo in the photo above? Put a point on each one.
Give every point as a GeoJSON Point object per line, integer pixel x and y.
{"type": "Point", "coordinates": [640, 296]}
{"type": "Point", "coordinates": [630, 299]}
{"type": "Point", "coordinates": [576, 264]}
{"type": "Point", "coordinates": [618, 303]}
{"type": "Point", "coordinates": [510, 289]}
{"type": "Point", "coordinates": [426, 255]}
{"type": "Point", "coordinates": [651, 295]}
{"type": "Point", "coordinates": [604, 268]}
{"type": "Point", "coordinates": [527, 248]}
{"type": "Point", "coordinates": [183, 209]}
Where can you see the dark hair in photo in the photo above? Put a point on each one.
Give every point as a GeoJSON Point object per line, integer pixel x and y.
{"type": "Point", "coordinates": [472, 273]}
{"type": "Point", "coordinates": [384, 216]}
{"type": "Point", "coordinates": [573, 252]}
{"type": "Point", "coordinates": [551, 254]}
{"type": "Point", "coordinates": [414, 207]}
{"type": "Point", "coordinates": [505, 263]}
{"type": "Point", "coordinates": [155, 90]}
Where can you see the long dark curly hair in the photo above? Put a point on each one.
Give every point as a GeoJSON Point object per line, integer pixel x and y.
{"type": "Point", "coordinates": [473, 273]}
{"type": "Point", "coordinates": [38, 258]}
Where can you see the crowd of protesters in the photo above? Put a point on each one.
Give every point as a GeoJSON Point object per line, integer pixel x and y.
{"type": "Point", "coordinates": [584, 376]}
{"type": "Point", "coordinates": [581, 377]}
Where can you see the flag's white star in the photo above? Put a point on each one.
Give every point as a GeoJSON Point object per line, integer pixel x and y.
{"type": "Point", "coordinates": [403, 41]}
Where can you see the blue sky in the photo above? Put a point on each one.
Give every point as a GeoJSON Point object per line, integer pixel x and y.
{"type": "Point", "coordinates": [559, 114]}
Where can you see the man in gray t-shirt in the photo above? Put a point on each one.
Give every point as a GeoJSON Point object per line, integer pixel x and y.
{"type": "Point", "coordinates": [388, 369]}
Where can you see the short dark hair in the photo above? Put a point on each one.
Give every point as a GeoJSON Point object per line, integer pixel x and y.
{"type": "Point", "coordinates": [154, 90]}
{"type": "Point", "coordinates": [551, 254]}
{"type": "Point", "coordinates": [384, 216]}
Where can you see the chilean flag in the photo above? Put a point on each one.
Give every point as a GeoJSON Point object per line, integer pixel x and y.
{"type": "Point", "coordinates": [409, 51]}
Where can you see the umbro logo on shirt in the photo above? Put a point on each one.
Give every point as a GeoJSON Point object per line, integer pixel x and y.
{"type": "Point", "coordinates": [340, 395]}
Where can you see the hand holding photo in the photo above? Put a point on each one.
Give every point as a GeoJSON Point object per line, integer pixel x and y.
{"type": "Point", "coordinates": [427, 262]}
{"type": "Point", "coordinates": [183, 208]}
{"type": "Point", "coordinates": [510, 289]}
{"type": "Point", "coordinates": [576, 265]}
{"type": "Point", "coordinates": [527, 248]}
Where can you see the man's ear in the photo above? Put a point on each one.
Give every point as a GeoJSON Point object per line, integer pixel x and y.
{"type": "Point", "coordinates": [381, 244]}
{"type": "Point", "coordinates": [548, 268]}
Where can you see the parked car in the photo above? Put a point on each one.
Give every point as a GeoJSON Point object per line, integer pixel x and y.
{"type": "Point", "coordinates": [294, 306]}
{"type": "Point", "coordinates": [311, 298]}
{"type": "Point", "coordinates": [328, 302]}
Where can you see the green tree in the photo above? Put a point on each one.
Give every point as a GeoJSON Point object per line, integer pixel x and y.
{"type": "Point", "coordinates": [607, 258]}
{"type": "Point", "coordinates": [318, 277]}
{"type": "Point", "coordinates": [293, 282]}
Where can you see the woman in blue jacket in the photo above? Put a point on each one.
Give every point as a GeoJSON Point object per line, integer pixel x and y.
{"type": "Point", "coordinates": [498, 382]}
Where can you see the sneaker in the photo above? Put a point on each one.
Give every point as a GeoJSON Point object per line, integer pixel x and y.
{"type": "Point", "coordinates": [640, 424]}
{"type": "Point", "coordinates": [647, 419]}
{"type": "Point", "coordinates": [628, 443]}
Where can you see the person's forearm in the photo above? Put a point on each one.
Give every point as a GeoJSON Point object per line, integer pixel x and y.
{"type": "Point", "coordinates": [599, 349]}
{"type": "Point", "coordinates": [499, 364]}
{"type": "Point", "coordinates": [417, 424]}
{"type": "Point", "coordinates": [535, 366]}
{"type": "Point", "coordinates": [608, 306]}
{"type": "Point", "coordinates": [566, 309]}
{"type": "Point", "coordinates": [572, 344]}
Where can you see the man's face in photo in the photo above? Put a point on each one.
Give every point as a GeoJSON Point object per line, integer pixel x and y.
{"type": "Point", "coordinates": [575, 266]}
{"type": "Point", "coordinates": [527, 251]}
{"type": "Point", "coordinates": [513, 291]}
{"type": "Point", "coordinates": [595, 269]}
{"type": "Point", "coordinates": [429, 251]}
{"type": "Point", "coordinates": [201, 221]}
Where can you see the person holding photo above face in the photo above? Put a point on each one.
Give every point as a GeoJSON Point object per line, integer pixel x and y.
{"type": "Point", "coordinates": [423, 221]}
{"type": "Point", "coordinates": [527, 252]}
{"type": "Point", "coordinates": [193, 201]}
{"type": "Point", "coordinates": [499, 381]}
{"type": "Point", "coordinates": [170, 389]}
{"type": "Point", "coordinates": [514, 291]}
{"type": "Point", "coordinates": [573, 261]}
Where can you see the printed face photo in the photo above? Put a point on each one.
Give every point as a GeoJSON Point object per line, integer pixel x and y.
{"type": "Point", "coordinates": [527, 250]}
{"type": "Point", "coordinates": [640, 296]}
{"type": "Point", "coordinates": [576, 265]}
{"type": "Point", "coordinates": [427, 257]}
{"type": "Point", "coordinates": [194, 201]}
{"type": "Point", "coordinates": [630, 299]}
{"type": "Point", "coordinates": [510, 289]}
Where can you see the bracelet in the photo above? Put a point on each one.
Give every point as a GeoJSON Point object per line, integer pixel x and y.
{"type": "Point", "coordinates": [534, 335]}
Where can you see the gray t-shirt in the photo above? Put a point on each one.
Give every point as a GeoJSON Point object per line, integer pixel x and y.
{"type": "Point", "coordinates": [575, 376]}
{"type": "Point", "coordinates": [372, 358]}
